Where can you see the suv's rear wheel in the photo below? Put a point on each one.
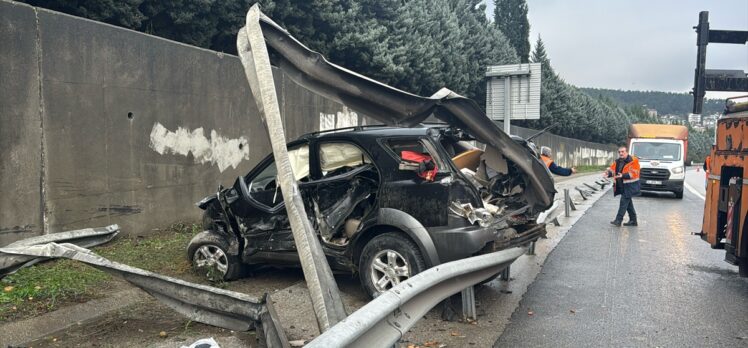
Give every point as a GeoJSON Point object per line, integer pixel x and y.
{"type": "Point", "coordinates": [211, 259]}
{"type": "Point", "coordinates": [387, 260]}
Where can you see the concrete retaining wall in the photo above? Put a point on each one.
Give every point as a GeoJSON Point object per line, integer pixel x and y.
{"type": "Point", "coordinates": [568, 152]}
{"type": "Point", "coordinates": [101, 125]}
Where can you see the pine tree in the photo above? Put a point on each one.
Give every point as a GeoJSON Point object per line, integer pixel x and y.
{"type": "Point", "coordinates": [538, 54]}
{"type": "Point", "coordinates": [510, 16]}
{"type": "Point", "coordinates": [124, 13]}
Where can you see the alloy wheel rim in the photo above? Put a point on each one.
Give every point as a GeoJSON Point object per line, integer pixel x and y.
{"type": "Point", "coordinates": [388, 269]}
{"type": "Point", "coordinates": [211, 257]}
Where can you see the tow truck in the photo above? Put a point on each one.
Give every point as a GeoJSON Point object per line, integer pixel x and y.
{"type": "Point", "coordinates": [725, 223]}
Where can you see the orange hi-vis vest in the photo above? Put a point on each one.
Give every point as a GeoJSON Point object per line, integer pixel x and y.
{"type": "Point", "coordinates": [631, 168]}
{"type": "Point", "coordinates": [547, 160]}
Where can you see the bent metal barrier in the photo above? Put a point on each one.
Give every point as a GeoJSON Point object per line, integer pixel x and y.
{"type": "Point", "coordinates": [384, 320]}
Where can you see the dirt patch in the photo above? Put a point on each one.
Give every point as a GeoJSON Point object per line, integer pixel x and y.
{"type": "Point", "coordinates": [145, 324]}
{"type": "Point", "coordinates": [56, 284]}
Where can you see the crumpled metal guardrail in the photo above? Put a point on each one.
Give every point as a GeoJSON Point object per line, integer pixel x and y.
{"type": "Point", "coordinates": [87, 237]}
{"type": "Point", "coordinates": [384, 320]}
{"type": "Point", "coordinates": [205, 304]}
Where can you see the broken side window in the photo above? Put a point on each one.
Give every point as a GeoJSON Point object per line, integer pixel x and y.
{"type": "Point", "coordinates": [346, 192]}
{"type": "Point", "coordinates": [264, 186]}
{"type": "Point", "coordinates": [339, 158]}
{"type": "Point", "coordinates": [409, 149]}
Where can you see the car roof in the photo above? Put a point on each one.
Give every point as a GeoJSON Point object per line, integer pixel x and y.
{"type": "Point", "coordinates": [376, 131]}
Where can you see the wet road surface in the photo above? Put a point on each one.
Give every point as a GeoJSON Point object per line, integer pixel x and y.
{"type": "Point", "coordinates": [655, 285]}
{"type": "Point", "coordinates": [695, 181]}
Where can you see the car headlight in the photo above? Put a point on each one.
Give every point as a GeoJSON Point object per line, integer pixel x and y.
{"type": "Point", "coordinates": [677, 170]}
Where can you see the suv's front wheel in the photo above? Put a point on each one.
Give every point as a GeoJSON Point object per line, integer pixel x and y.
{"type": "Point", "coordinates": [387, 260]}
{"type": "Point", "coordinates": [210, 257]}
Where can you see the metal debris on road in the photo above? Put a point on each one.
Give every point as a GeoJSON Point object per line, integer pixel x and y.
{"type": "Point", "coordinates": [86, 238]}
{"type": "Point", "coordinates": [201, 303]}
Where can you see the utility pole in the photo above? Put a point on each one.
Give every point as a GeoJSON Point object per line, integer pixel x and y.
{"type": "Point", "coordinates": [326, 300]}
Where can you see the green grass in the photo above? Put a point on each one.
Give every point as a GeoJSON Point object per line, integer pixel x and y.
{"type": "Point", "coordinates": [590, 169]}
{"type": "Point", "coordinates": [47, 286]}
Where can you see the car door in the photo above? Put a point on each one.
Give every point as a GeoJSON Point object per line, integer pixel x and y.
{"type": "Point", "coordinates": [345, 191]}
{"type": "Point", "coordinates": [260, 210]}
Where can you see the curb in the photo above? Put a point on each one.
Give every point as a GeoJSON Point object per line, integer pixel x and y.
{"type": "Point", "coordinates": [20, 332]}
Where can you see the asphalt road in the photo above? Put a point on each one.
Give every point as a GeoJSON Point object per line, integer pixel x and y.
{"type": "Point", "coordinates": [695, 182]}
{"type": "Point", "coordinates": [655, 285]}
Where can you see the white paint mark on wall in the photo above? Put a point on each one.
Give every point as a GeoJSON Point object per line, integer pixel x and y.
{"type": "Point", "coordinates": [340, 119]}
{"type": "Point", "coordinates": [217, 149]}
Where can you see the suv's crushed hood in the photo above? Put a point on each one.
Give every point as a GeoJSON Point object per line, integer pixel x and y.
{"type": "Point", "coordinates": [399, 108]}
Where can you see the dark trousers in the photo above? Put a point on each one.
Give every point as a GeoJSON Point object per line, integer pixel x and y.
{"type": "Point", "coordinates": [626, 205]}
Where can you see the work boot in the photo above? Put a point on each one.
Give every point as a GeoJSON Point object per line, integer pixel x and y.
{"type": "Point", "coordinates": [631, 223]}
{"type": "Point", "coordinates": [616, 223]}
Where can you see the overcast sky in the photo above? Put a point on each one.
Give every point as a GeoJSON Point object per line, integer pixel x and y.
{"type": "Point", "coordinates": [634, 44]}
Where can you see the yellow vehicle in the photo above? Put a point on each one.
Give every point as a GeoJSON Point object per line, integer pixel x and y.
{"type": "Point", "coordinates": [725, 224]}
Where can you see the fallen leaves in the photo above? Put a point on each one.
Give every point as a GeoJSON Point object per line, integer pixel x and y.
{"type": "Point", "coordinates": [163, 334]}
{"type": "Point", "coordinates": [427, 344]}
{"type": "Point", "coordinates": [8, 288]}
{"type": "Point", "coordinates": [572, 311]}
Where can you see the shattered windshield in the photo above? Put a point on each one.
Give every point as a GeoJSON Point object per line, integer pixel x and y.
{"type": "Point", "coordinates": [656, 151]}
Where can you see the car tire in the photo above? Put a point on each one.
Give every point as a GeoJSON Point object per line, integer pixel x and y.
{"type": "Point", "coordinates": [387, 260]}
{"type": "Point", "coordinates": [678, 194]}
{"type": "Point", "coordinates": [210, 258]}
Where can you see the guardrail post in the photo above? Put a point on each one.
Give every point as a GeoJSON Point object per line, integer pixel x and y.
{"type": "Point", "coordinates": [505, 273]}
{"type": "Point", "coordinates": [593, 188]}
{"type": "Point", "coordinates": [468, 303]}
{"type": "Point", "coordinates": [531, 249]}
{"type": "Point", "coordinates": [567, 203]}
{"type": "Point", "coordinates": [581, 192]}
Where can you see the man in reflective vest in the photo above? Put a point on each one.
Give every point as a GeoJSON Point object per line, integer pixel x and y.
{"type": "Point", "coordinates": [625, 170]}
{"type": "Point", "coordinates": [545, 155]}
{"type": "Point", "coordinates": [707, 169]}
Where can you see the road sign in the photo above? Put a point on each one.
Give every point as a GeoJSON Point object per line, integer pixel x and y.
{"type": "Point", "coordinates": [513, 92]}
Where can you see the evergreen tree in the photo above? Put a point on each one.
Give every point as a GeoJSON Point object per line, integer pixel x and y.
{"type": "Point", "coordinates": [510, 16]}
{"type": "Point", "coordinates": [124, 13]}
{"type": "Point", "coordinates": [538, 54]}
{"type": "Point", "coordinates": [417, 45]}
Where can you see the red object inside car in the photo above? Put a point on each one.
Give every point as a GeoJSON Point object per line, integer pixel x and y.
{"type": "Point", "coordinates": [417, 157]}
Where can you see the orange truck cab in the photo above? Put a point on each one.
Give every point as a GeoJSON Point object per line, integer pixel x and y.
{"type": "Point", "coordinates": [725, 224]}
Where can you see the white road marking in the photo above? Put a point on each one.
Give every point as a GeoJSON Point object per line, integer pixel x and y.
{"type": "Point", "coordinates": [693, 190]}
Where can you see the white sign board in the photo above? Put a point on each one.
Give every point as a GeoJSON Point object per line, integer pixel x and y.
{"type": "Point", "coordinates": [523, 83]}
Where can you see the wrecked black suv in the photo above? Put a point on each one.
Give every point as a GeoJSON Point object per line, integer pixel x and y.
{"type": "Point", "coordinates": [386, 202]}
